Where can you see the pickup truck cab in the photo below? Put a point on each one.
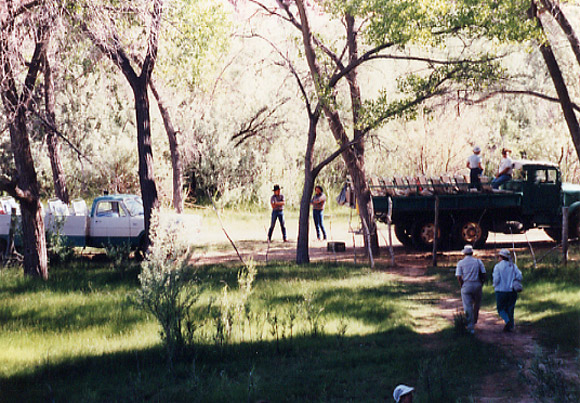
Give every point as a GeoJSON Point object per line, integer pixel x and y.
{"type": "Point", "coordinates": [112, 220]}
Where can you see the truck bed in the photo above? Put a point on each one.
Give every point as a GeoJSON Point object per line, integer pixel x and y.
{"type": "Point", "coordinates": [459, 201]}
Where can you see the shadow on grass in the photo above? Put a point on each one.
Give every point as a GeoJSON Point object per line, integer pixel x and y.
{"type": "Point", "coordinates": [325, 368]}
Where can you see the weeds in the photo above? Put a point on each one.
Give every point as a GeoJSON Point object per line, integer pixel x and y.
{"type": "Point", "coordinates": [459, 323]}
{"type": "Point", "coordinates": [548, 381]}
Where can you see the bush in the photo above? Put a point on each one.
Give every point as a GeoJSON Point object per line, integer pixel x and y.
{"type": "Point", "coordinates": [169, 288]}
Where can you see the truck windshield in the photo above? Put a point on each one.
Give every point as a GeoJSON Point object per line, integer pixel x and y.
{"type": "Point", "coordinates": [134, 206]}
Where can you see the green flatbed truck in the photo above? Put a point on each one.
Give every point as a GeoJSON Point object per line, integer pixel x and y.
{"type": "Point", "coordinates": [533, 199]}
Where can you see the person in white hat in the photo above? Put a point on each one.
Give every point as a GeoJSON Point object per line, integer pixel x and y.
{"type": "Point", "coordinates": [504, 274]}
{"type": "Point", "coordinates": [475, 168]}
{"type": "Point", "coordinates": [403, 394]}
{"type": "Point", "coordinates": [470, 280]}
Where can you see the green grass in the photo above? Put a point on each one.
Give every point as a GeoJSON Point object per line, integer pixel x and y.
{"type": "Point", "coordinates": [77, 337]}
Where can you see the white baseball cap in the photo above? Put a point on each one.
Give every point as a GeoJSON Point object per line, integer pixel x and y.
{"type": "Point", "coordinates": [401, 390]}
{"type": "Point", "coordinates": [467, 250]}
{"type": "Point", "coordinates": [505, 253]}
{"type": "Point", "coordinates": [476, 149]}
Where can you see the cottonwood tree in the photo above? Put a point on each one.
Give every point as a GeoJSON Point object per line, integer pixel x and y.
{"type": "Point", "coordinates": [384, 30]}
{"type": "Point", "coordinates": [98, 22]}
{"type": "Point", "coordinates": [21, 24]}
{"type": "Point", "coordinates": [552, 64]}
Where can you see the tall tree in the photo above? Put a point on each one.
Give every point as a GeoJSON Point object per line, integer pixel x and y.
{"type": "Point", "coordinates": [110, 43]}
{"type": "Point", "coordinates": [32, 21]}
{"type": "Point", "coordinates": [556, 73]}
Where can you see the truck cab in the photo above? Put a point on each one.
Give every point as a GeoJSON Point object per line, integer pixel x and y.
{"type": "Point", "coordinates": [541, 185]}
{"type": "Point", "coordinates": [115, 220]}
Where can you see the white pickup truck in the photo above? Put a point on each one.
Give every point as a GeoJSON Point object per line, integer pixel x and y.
{"type": "Point", "coordinates": [112, 220]}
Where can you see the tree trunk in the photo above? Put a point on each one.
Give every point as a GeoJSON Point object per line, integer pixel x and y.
{"type": "Point", "coordinates": [146, 171]}
{"type": "Point", "coordinates": [176, 162]}
{"type": "Point", "coordinates": [302, 252]}
{"type": "Point", "coordinates": [52, 142]}
{"type": "Point", "coordinates": [361, 188]}
{"type": "Point", "coordinates": [25, 187]}
{"type": "Point", "coordinates": [560, 85]}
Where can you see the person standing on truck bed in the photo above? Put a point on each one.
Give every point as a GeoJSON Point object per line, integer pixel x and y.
{"type": "Point", "coordinates": [475, 168]}
{"type": "Point", "coordinates": [470, 274]}
{"type": "Point", "coordinates": [318, 211]}
{"type": "Point", "coordinates": [504, 173]}
{"type": "Point", "coordinates": [277, 202]}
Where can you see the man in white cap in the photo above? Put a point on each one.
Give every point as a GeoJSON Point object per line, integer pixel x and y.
{"type": "Point", "coordinates": [504, 274]}
{"type": "Point", "coordinates": [470, 280]}
{"type": "Point", "coordinates": [475, 168]}
{"type": "Point", "coordinates": [403, 394]}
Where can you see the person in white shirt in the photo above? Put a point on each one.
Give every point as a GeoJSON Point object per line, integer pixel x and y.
{"type": "Point", "coordinates": [475, 168]}
{"type": "Point", "coordinates": [505, 170]}
{"type": "Point", "coordinates": [468, 275]}
{"type": "Point", "coordinates": [504, 274]}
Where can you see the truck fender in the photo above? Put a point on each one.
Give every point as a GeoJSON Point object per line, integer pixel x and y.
{"type": "Point", "coordinates": [572, 209]}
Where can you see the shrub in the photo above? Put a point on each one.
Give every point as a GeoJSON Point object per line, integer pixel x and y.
{"type": "Point", "coordinates": [169, 288]}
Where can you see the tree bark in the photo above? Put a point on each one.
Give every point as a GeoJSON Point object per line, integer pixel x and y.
{"type": "Point", "coordinates": [560, 85]}
{"type": "Point", "coordinates": [302, 252]}
{"type": "Point", "coordinates": [362, 190]}
{"type": "Point", "coordinates": [25, 187]}
{"type": "Point", "coordinates": [176, 161]}
{"type": "Point", "coordinates": [52, 141]}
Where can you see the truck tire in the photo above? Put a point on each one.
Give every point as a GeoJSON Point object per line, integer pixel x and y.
{"type": "Point", "coordinates": [404, 235]}
{"type": "Point", "coordinates": [424, 233]}
{"type": "Point", "coordinates": [470, 231]}
{"type": "Point", "coordinates": [3, 246]}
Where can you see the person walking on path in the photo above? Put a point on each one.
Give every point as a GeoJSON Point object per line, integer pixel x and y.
{"type": "Point", "coordinates": [277, 202]}
{"type": "Point", "coordinates": [318, 202]}
{"type": "Point", "coordinates": [403, 394]}
{"type": "Point", "coordinates": [471, 282]}
{"type": "Point", "coordinates": [505, 170]}
{"type": "Point", "coordinates": [475, 168]}
{"type": "Point", "coordinates": [504, 274]}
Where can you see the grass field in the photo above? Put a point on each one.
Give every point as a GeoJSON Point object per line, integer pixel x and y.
{"type": "Point", "coordinates": [322, 332]}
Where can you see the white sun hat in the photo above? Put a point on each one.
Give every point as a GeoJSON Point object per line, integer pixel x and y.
{"type": "Point", "coordinates": [476, 149]}
{"type": "Point", "coordinates": [505, 253]}
{"type": "Point", "coordinates": [401, 390]}
{"type": "Point", "coordinates": [467, 250]}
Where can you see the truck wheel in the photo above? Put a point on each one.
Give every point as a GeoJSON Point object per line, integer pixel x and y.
{"type": "Point", "coordinates": [404, 235]}
{"type": "Point", "coordinates": [3, 246]}
{"type": "Point", "coordinates": [470, 231]}
{"type": "Point", "coordinates": [424, 234]}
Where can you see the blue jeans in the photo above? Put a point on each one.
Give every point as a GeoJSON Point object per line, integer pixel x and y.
{"type": "Point", "coordinates": [506, 304]}
{"type": "Point", "coordinates": [277, 215]}
{"type": "Point", "coordinates": [319, 222]}
{"type": "Point", "coordinates": [500, 180]}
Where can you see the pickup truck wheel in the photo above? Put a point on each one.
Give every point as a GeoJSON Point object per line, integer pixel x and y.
{"type": "Point", "coordinates": [424, 234]}
{"type": "Point", "coordinates": [404, 235]}
{"type": "Point", "coordinates": [470, 231]}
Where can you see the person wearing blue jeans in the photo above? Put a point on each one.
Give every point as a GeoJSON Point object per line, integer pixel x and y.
{"type": "Point", "coordinates": [505, 170]}
{"type": "Point", "coordinates": [277, 202]}
{"type": "Point", "coordinates": [318, 202]}
{"type": "Point", "coordinates": [504, 274]}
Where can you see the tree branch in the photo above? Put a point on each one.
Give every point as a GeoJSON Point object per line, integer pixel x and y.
{"type": "Point", "coordinates": [20, 10]}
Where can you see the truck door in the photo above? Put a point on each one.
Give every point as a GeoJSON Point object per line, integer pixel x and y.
{"type": "Point", "coordinates": [544, 192]}
{"type": "Point", "coordinates": [110, 224]}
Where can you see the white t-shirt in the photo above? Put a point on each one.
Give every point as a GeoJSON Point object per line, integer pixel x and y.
{"type": "Point", "coordinates": [474, 161]}
{"type": "Point", "coordinates": [506, 163]}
